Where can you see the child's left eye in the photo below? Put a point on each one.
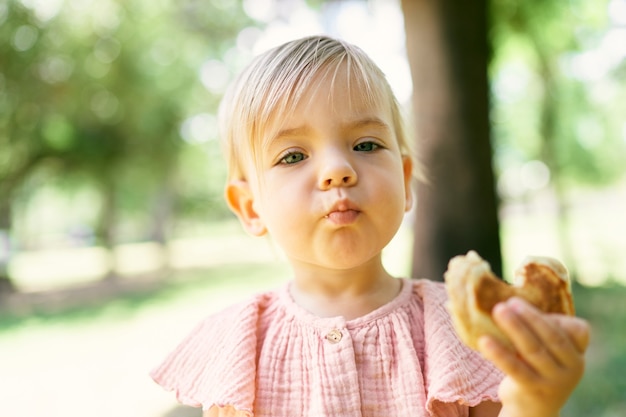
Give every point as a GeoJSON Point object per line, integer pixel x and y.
{"type": "Point", "coordinates": [366, 147]}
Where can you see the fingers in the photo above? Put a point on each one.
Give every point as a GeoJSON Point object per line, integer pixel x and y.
{"type": "Point", "coordinates": [577, 329]}
{"type": "Point", "coordinates": [547, 343]}
{"type": "Point", "coordinates": [547, 360]}
{"type": "Point", "coordinates": [540, 341]}
{"type": "Point", "coordinates": [506, 360]}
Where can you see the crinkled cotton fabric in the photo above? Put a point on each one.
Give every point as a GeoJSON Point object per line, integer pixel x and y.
{"type": "Point", "coordinates": [270, 357]}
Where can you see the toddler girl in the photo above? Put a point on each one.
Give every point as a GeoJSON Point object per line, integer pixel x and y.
{"type": "Point", "coordinates": [318, 159]}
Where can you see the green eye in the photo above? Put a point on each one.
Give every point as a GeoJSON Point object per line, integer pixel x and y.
{"type": "Point", "coordinates": [366, 147]}
{"type": "Point", "coordinates": [292, 158]}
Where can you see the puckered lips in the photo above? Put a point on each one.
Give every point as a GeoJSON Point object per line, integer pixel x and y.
{"type": "Point", "coordinates": [343, 212]}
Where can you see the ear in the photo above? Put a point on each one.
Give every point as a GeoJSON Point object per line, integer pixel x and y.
{"type": "Point", "coordinates": [241, 201]}
{"type": "Point", "coordinates": [407, 167]}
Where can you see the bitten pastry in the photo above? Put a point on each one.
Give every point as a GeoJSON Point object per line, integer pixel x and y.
{"type": "Point", "coordinates": [474, 290]}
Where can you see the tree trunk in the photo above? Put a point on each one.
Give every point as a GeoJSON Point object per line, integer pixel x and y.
{"type": "Point", "coordinates": [6, 249]}
{"type": "Point", "coordinates": [107, 222]}
{"type": "Point", "coordinates": [161, 219]}
{"type": "Point", "coordinates": [9, 182]}
{"type": "Point", "coordinates": [456, 207]}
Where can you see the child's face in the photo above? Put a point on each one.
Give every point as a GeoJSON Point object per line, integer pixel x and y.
{"type": "Point", "coordinates": [332, 186]}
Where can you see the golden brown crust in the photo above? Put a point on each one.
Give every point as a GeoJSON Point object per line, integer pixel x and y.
{"type": "Point", "coordinates": [474, 290]}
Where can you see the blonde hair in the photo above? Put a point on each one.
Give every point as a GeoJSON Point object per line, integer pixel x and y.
{"type": "Point", "coordinates": [275, 81]}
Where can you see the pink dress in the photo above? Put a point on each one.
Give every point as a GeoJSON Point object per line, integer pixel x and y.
{"type": "Point", "coordinates": [272, 358]}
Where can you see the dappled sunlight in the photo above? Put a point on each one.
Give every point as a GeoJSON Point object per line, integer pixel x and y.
{"type": "Point", "coordinates": [56, 268]}
{"type": "Point", "coordinates": [47, 269]}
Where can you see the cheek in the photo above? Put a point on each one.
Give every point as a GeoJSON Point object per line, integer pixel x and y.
{"type": "Point", "coordinates": [393, 192]}
{"type": "Point", "coordinates": [391, 184]}
{"type": "Point", "coordinates": [283, 206]}
{"type": "Point", "coordinates": [287, 187]}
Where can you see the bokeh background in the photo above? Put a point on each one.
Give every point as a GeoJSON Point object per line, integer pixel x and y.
{"type": "Point", "coordinates": [115, 240]}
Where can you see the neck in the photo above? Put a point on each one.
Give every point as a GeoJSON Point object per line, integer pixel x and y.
{"type": "Point", "coordinates": [350, 293]}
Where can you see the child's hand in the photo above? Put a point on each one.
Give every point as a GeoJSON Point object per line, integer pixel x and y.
{"type": "Point", "coordinates": [548, 363]}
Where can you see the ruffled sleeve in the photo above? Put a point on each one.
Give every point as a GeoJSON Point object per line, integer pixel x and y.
{"type": "Point", "coordinates": [456, 376]}
{"type": "Point", "coordinates": [216, 364]}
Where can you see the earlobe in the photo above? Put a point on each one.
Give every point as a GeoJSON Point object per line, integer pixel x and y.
{"type": "Point", "coordinates": [407, 166]}
{"type": "Point", "coordinates": [241, 202]}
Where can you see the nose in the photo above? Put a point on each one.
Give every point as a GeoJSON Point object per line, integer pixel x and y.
{"type": "Point", "coordinates": [336, 171]}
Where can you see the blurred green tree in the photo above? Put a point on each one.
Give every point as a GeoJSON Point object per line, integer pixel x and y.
{"type": "Point", "coordinates": [544, 111]}
{"type": "Point", "coordinates": [96, 93]}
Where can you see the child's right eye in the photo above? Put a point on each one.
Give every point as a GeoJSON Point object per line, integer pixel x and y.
{"type": "Point", "coordinates": [292, 158]}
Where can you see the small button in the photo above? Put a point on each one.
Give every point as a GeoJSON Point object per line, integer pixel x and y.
{"type": "Point", "coordinates": [334, 336]}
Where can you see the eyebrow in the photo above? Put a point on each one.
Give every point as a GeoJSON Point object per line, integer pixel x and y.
{"type": "Point", "coordinates": [296, 131]}
{"type": "Point", "coordinates": [354, 124]}
{"type": "Point", "coordinates": [367, 122]}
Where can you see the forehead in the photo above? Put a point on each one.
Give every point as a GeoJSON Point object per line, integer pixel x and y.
{"type": "Point", "coordinates": [344, 95]}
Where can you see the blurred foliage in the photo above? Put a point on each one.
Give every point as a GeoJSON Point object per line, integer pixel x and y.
{"type": "Point", "coordinates": [559, 94]}
{"type": "Point", "coordinates": [559, 100]}
{"type": "Point", "coordinates": [96, 94]}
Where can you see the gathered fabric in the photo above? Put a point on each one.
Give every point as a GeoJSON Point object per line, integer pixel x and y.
{"type": "Point", "coordinates": [269, 357]}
